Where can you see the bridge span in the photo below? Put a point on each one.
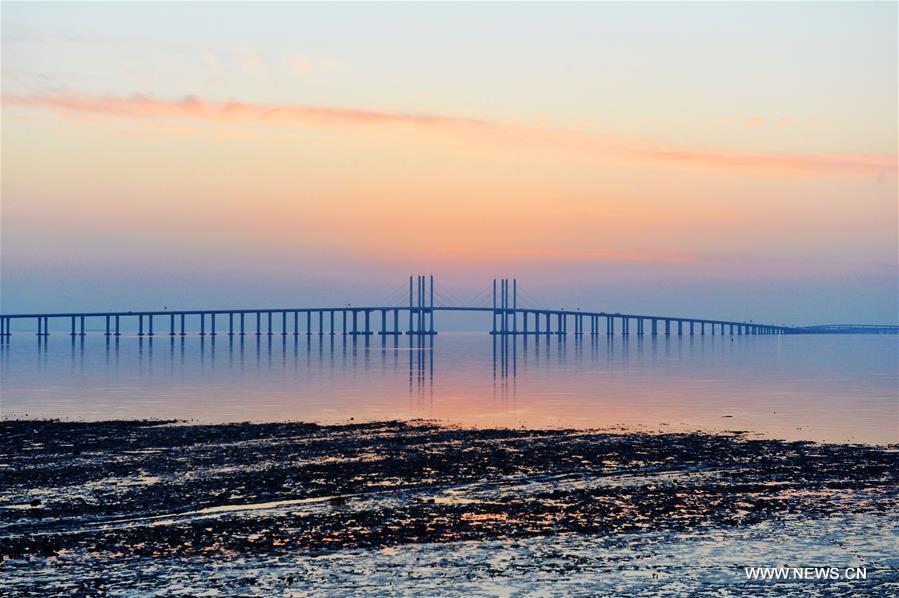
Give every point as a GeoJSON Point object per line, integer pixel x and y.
{"type": "Point", "coordinates": [416, 318]}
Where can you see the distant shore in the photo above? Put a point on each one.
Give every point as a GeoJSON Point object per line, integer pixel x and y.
{"type": "Point", "coordinates": [91, 501]}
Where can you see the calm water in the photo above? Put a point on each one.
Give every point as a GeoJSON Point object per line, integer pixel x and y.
{"type": "Point", "coordinates": [830, 388]}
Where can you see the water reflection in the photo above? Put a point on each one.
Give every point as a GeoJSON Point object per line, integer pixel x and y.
{"type": "Point", "coordinates": [833, 388]}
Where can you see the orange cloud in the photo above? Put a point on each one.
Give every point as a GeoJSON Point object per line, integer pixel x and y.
{"type": "Point", "coordinates": [567, 255]}
{"type": "Point", "coordinates": [518, 135]}
{"type": "Point", "coordinates": [194, 107]}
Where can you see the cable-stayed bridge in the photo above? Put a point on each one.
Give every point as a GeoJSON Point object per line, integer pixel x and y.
{"type": "Point", "coordinates": [415, 315]}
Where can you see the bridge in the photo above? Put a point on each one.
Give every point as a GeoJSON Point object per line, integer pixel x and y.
{"type": "Point", "coordinates": [845, 329]}
{"type": "Point", "coordinates": [415, 318]}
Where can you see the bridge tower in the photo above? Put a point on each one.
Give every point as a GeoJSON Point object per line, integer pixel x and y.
{"type": "Point", "coordinates": [503, 305]}
{"type": "Point", "coordinates": [421, 306]}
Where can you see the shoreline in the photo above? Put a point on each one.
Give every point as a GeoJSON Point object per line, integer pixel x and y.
{"type": "Point", "coordinates": [663, 429]}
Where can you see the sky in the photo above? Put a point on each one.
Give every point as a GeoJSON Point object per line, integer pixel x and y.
{"type": "Point", "coordinates": [715, 160]}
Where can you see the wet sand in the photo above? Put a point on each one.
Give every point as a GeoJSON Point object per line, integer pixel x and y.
{"type": "Point", "coordinates": [119, 507]}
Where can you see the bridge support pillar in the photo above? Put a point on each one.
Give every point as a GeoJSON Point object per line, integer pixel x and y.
{"type": "Point", "coordinates": [212, 323]}
{"type": "Point", "coordinates": [202, 324]}
{"type": "Point", "coordinates": [420, 325]}
{"type": "Point", "coordinates": [172, 325]}
{"type": "Point", "coordinates": [680, 327]}
{"type": "Point", "coordinates": [493, 324]}
{"type": "Point", "coordinates": [140, 325]}
{"type": "Point", "coordinates": [691, 327]}
{"type": "Point", "coordinates": [504, 314]}
{"type": "Point", "coordinates": [433, 329]}
{"type": "Point", "coordinates": [117, 325]}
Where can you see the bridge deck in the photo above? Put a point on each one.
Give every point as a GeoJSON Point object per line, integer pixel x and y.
{"type": "Point", "coordinates": [420, 312]}
{"type": "Point", "coordinates": [370, 309]}
{"type": "Point", "coordinates": [520, 320]}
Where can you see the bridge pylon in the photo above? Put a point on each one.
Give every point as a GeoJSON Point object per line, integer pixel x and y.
{"type": "Point", "coordinates": [505, 304]}
{"type": "Point", "coordinates": [421, 306]}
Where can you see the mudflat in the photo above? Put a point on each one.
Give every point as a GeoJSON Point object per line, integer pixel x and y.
{"type": "Point", "coordinates": [119, 506]}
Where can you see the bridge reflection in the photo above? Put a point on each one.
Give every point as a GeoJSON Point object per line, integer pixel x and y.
{"type": "Point", "coordinates": [418, 353]}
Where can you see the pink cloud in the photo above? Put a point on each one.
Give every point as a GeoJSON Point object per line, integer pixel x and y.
{"type": "Point", "coordinates": [194, 108]}
{"type": "Point", "coordinates": [251, 61]}
{"type": "Point", "coordinates": [301, 64]}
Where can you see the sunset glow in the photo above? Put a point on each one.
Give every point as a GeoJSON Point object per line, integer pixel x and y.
{"type": "Point", "coordinates": [144, 137]}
